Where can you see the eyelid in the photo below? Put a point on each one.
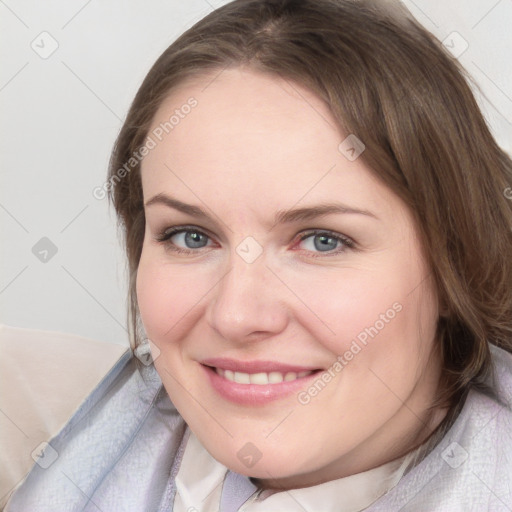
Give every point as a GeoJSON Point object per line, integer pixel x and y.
{"type": "Point", "coordinates": [317, 231]}
{"type": "Point", "coordinates": [167, 233]}
{"type": "Point", "coordinates": [348, 243]}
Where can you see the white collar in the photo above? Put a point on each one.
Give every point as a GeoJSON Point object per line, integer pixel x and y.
{"type": "Point", "coordinates": [200, 480]}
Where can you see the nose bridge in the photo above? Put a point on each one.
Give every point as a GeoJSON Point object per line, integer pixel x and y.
{"type": "Point", "coordinates": [246, 301]}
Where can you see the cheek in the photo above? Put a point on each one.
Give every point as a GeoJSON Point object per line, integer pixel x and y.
{"type": "Point", "coordinates": [382, 315]}
{"type": "Point", "coordinates": [168, 295]}
{"type": "Point", "coordinates": [344, 305]}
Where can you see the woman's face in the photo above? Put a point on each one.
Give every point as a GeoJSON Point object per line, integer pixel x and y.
{"type": "Point", "coordinates": [292, 310]}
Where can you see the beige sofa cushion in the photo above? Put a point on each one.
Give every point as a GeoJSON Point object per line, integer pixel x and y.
{"type": "Point", "coordinates": [44, 377]}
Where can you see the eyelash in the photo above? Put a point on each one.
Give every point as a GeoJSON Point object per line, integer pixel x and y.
{"type": "Point", "coordinates": [165, 236]}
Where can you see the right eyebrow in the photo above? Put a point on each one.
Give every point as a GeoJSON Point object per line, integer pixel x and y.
{"type": "Point", "coordinates": [189, 209]}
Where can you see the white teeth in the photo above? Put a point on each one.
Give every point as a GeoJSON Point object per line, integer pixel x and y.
{"type": "Point", "coordinates": [242, 378]}
{"type": "Point", "coordinates": [275, 377]}
{"type": "Point", "coordinates": [260, 378]}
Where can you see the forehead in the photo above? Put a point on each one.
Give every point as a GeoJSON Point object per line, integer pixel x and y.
{"type": "Point", "coordinates": [264, 111]}
{"type": "Point", "coordinates": [251, 135]}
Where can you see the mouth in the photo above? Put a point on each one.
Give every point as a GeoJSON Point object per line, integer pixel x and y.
{"type": "Point", "coordinates": [256, 382]}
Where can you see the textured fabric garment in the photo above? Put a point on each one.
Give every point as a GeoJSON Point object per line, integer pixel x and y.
{"type": "Point", "coordinates": [44, 378]}
{"type": "Point", "coordinates": [123, 449]}
{"type": "Point", "coordinates": [470, 470]}
{"type": "Point", "coordinates": [236, 491]}
{"type": "Point", "coordinates": [202, 483]}
{"type": "Point", "coordinates": [201, 478]}
{"type": "Point", "coordinates": [116, 453]}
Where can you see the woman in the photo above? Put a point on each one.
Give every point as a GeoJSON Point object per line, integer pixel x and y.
{"type": "Point", "coordinates": [318, 235]}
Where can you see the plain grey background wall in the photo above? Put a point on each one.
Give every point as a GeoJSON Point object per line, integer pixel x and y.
{"type": "Point", "coordinates": [69, 72]}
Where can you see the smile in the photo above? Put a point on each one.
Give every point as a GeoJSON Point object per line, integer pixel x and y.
{"type": "Point", "coordinates": [253, 383]}
{"type": "Point", "coordinates": [261, 378]}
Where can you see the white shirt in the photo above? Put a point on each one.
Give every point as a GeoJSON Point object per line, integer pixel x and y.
{"type": "Point", "coordinates": [200, 480]}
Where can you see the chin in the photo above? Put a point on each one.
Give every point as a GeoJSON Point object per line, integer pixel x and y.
{"type": "Point", "coordinates": [258, 462]}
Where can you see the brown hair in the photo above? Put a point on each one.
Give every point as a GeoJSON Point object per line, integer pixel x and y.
{"type": "Point", "coordinates": [390, 82]}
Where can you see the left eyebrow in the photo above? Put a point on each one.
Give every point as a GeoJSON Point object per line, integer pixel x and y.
{"type": "Point", "coordinates": [309, 213]}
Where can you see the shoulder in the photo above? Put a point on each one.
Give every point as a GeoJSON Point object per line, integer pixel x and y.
{"type": "Point", "coordinates": [502, 378]}
{"type": "Point", "coordinates": [116, 450]}
{"type": "Point", "coordinates": [44, 377]}
{"type": "Point", "coordinates": [471, 468]}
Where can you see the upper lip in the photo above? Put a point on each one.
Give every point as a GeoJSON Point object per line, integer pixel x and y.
{"type": "Point", "coordinates": [255, 366]}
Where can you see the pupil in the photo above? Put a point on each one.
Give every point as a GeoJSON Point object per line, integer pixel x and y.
{"type": "Point", "coordinates": [194, 239]}
{"type": "Point", "coordinates": [325, 243]}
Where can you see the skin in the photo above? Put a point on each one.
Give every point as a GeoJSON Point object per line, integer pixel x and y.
{"type": "Point", "coordinates": [255, 145]}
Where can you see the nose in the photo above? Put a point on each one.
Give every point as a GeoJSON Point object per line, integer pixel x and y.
{"type": "Point", "coordinates": [247, 304]}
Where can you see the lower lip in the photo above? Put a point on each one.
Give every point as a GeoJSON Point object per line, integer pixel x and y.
{"type": "Point", "coordinates": [255, 394]}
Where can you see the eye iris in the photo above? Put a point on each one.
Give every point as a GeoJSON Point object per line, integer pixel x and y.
{"type": "Point", "coordinates": [193, 239]}
{"type": "Point", "coordinates": [325, 243]}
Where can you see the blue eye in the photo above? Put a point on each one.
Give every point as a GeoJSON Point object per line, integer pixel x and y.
{"type": "Point", "coordinates": [192, 239]}
{"type": "Point", "coordinates": [184, 239]}
{"type": "Point", "coordinates": [324, 241]}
